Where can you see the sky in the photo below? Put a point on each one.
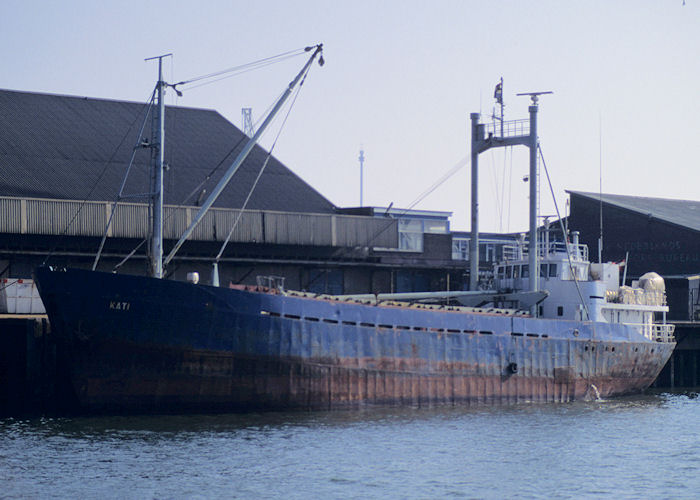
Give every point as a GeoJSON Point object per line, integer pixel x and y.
{"type": "Point", "coordinates": [400, 80]}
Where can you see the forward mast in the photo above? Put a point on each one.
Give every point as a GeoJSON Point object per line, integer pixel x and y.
{"type": "Point", "coordinates": [157, 262]}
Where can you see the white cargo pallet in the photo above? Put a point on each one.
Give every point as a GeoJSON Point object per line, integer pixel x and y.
{"type": "Point", "coordinates": [20, 296]}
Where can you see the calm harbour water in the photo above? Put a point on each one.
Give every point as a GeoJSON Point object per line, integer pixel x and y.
{"type": "Point", "coordinates": [636, 447]}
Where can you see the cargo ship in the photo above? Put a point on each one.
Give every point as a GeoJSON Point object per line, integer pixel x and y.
{"type": "Point", "coordinates": [553, 327]}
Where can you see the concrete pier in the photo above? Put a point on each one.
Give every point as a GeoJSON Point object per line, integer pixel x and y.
{"type": "Point", "coordinates": [30, 381]}
{"type": "Point", "coordinates": [683, 369]}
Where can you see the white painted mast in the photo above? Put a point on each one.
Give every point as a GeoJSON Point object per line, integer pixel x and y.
{"type": "Point", "coordinates": [158, 161]}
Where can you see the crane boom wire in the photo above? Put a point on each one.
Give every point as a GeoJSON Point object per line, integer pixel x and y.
{"type": "Point", "coordinates": [260, 172]}
{"type": "Point", "coordinates": [245, 67]}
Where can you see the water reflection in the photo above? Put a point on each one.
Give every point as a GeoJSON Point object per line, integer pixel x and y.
{"type": "Point", "coordinates": [168, 426]}
{"type": "Point", "coordinates": [643, 445]}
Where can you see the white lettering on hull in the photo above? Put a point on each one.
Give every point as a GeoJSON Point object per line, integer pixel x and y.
{"type": "Point", "coordinates": [119, 306]}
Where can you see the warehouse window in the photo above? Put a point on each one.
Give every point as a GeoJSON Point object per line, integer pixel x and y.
{"type": "Point", "coordinates": [410, 235]}
{"type": "Point", "coordinates": [460, 249]}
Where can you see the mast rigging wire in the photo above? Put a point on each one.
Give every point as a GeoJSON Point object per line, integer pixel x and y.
{"type": "Point", "coordinates": [126, 176]}
{"type": "Point", "coordinates": [496, 188]}
{"type": "Point", "coordinates": [262, 169]}
{"type": "Point", "coordinates": [242, 155]}
{"type": "Point", "coordinates": [447, 175]}
{"type": "Point", "coordinates": [243, 138]}
{"type": "Point", "coordinates": [94, 186]}
{"type": "Point", "coordinates": [239, 69]}
{"type": "Point", "coordinates": [235, 74]}
{"type": "Point", "coordinates": [174, 150]}
{"type": "Point", "coordinates": [226, 156]}
{"type": "Point", "coordinates": [510, 187]}
{"type": "Point", "coordinates": [243, 68]}
{"type": "Point", "coordinates": [566, 239]}
{"type": "Point", "coordinates": [129, 255]}
{"type": "Point", "coordinates": [503, 192]}
{"type": "Point", "coordinates": [600, 186]}
{"type": "Point", "coordinates": [281, 57]}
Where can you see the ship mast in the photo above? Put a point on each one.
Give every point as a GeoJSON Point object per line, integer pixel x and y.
{"type": "Point", "coordinates": [511, 134]}
{"type": "Point", "coordinates": [157, 164]}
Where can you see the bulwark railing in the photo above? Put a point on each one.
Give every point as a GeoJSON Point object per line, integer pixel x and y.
{"type": "Point", "coordinates": [75, 218]}
{"type": "Point", "coordinates": [663, 332]}
{"type": "Point", "coordinates": [659, 332]}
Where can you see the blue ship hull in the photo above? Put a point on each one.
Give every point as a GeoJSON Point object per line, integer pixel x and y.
{"type": "Point", "coordinates": [137, 344]}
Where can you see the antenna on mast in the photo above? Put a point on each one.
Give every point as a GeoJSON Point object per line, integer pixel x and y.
{"type": "Point", "coordinates": [600, 186]}
{"type": "Point", "coordinates": [535, 95]}
{"type": "Point", "coordinates": [362, 164]}
{"type": "Point", "coordinates": [498, 95]}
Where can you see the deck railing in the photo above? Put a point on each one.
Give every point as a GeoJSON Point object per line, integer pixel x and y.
{"type": "Point", "coordinates": [663, 332]}
{"type": "Point", "coordinates": [520, 251]}
{"type": "Point", "coordinates": [658, 332]}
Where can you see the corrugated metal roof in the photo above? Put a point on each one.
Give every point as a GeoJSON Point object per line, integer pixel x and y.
{"type": "Point", "coordinates": [681, 212]}
{"type": "Point", "coordinates": [67, 147]}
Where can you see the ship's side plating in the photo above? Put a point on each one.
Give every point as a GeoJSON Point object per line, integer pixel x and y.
{"type": "Point", "coordinates": [142, 344]}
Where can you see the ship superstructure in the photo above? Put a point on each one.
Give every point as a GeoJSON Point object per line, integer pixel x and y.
{"type": "Point", "coordinates": [580, 290]}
